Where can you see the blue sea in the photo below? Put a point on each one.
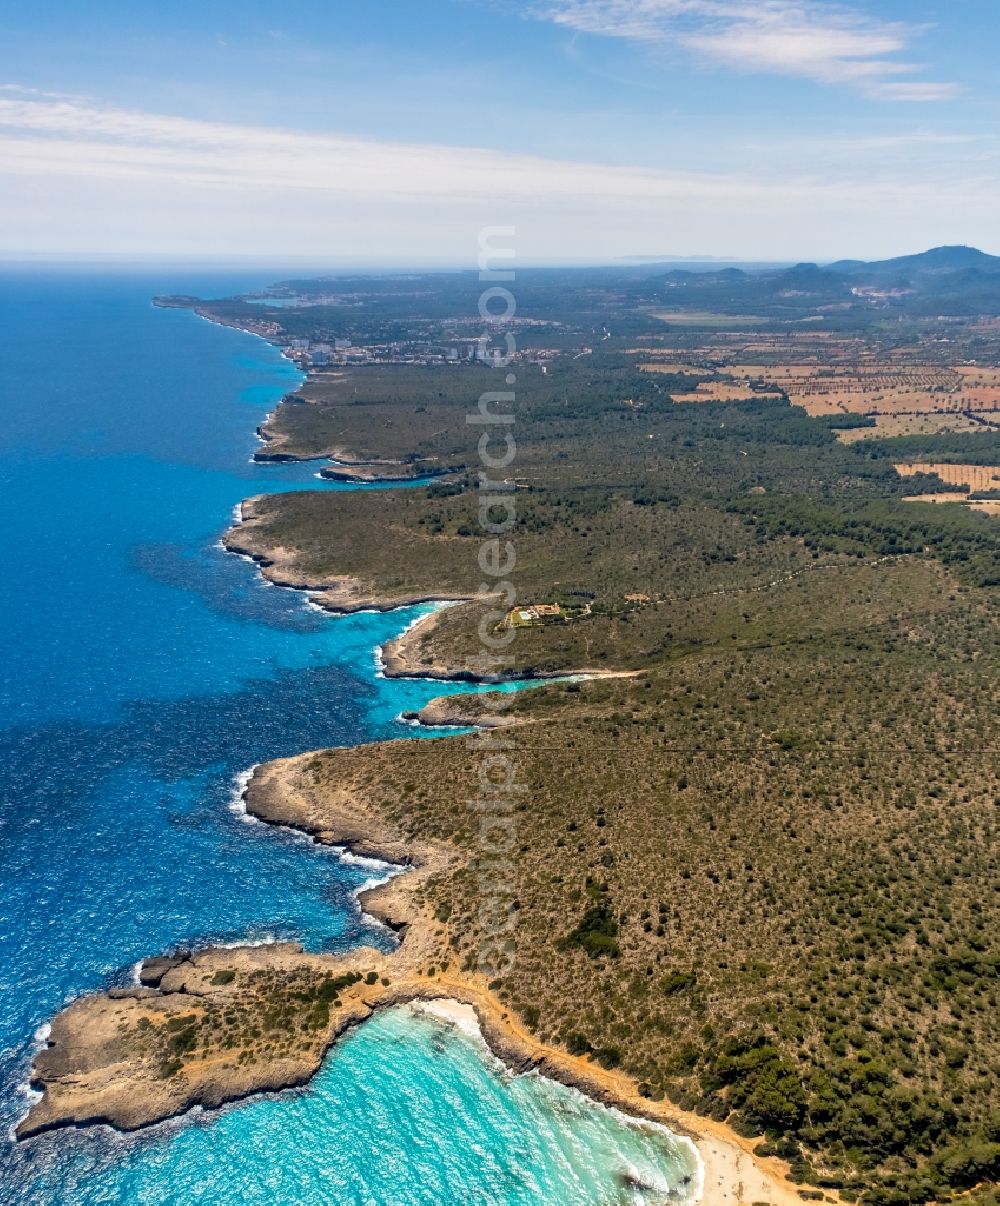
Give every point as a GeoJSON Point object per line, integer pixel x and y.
{"type": "Point", "coordinates": [141, 670]}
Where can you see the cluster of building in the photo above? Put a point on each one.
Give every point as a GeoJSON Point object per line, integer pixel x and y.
{"type": "Point", "coordinates": [340, 353]}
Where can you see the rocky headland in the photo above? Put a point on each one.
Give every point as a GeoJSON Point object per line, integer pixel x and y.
{"type": "Point", "coordinates": [204, 1028]}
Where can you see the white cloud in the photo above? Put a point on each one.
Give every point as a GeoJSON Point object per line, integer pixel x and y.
{"type": "Point", "coordinates": [916, 91]}
{"type": "Point", "coordinates": [824, 42]}
{"type": "Point", "coordinates": [78, 175]}
{"type": "Point", "coordinates": [59, 137]}
{"type": "Point", "coordinates": [89, 140]}
{"type": "Point", "coordinates": [43, 93]}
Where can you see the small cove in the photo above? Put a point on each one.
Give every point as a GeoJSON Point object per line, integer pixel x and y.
{"type": "Point", "coordinates": [143, 669]}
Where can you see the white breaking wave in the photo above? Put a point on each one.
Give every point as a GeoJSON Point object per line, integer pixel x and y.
{"type": "Point", "coordinates": [438, 605]}
{"type": "Point", "coordinates": [23, 1088]}
{"type": "Point", "coordinates": [359, 860]}
{"type": "Point", "coordinates": [237, 804]}
{"type": "Point", "coordinates": [266, 940]}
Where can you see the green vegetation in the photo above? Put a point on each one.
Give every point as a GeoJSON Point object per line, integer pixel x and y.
{"type": "Point", "coordinates": [959, 448]}
{"type": "Point", "coordinates": [767, 879]}
{"type": "Point", "coordinates": [279, 1013]}
{"type": "Point", "coordinates": [848, 422]}
{"type": "Point", "coordinates": [964, 540]}
{"type": "Point", "coordinates": [597, 931]}
{"type": "Point", "coordinates": [762, 875]}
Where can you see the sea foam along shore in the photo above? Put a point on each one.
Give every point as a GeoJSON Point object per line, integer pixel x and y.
{"type": "Point", "coordinates": [730, 1173]}
{"type": "Point", "coordinates": [381, 870]}
{"type": "Point", "coordinates": [727, 1171]}
{"type": "Point", "coordinates": [343, 594]}
{"type": "Point", "coordinates": [91, 1073]}
{"type": "Point", "coordinates": [464, 1018]}
{"type": "Point", "coordinates": [398, 661]}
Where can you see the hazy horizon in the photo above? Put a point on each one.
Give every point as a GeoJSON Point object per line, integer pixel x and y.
{"type": "Point", "coordinates": [345, 265]}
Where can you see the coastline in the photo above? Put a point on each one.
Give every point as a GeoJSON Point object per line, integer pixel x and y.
{"type": "Point", "coordinates": [87, 1076]}
{"type": "Point", "coordinates": [345, 595]}
{"type": "Point", "coordinates": [348, 595]}
{"type": "Point", "coordinates": [73, 1061]}
{"type": "Point", "coordinates": [708, 818]}
{"type": "Point", "coordinates": [342, 465]}
{"type": "Point", "coordinates": [340, 595]}
{"type": "Point", "coordinates": [730, 1169]}
{"type": "Point", "coordinates": [398, 658]}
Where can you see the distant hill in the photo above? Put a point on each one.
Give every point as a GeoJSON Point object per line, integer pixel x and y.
{"type": "Point", "coordinates": [938, 261]}
{"type": "Point", "coordinates": [953, 281]}
{"type": "Point", "coordinates": [944, 280]}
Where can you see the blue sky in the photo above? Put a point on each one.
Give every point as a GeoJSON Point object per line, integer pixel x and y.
{"type": "Point", "coordinates": [390, 132]}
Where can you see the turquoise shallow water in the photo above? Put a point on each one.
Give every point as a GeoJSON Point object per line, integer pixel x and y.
{"type": "Point", "coordinates": [141, 669]}
{"type": "Point", "coordinates": [407, 1110]}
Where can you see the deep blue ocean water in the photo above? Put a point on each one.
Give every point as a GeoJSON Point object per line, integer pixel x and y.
{"type": "Point", "coordinates": [141, 669]}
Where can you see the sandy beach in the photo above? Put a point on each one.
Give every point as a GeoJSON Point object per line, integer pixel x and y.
{"type": "Point", "coordinates": [733, 1174]}
{"type": "Point", "coordinates": [93, 1070]}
